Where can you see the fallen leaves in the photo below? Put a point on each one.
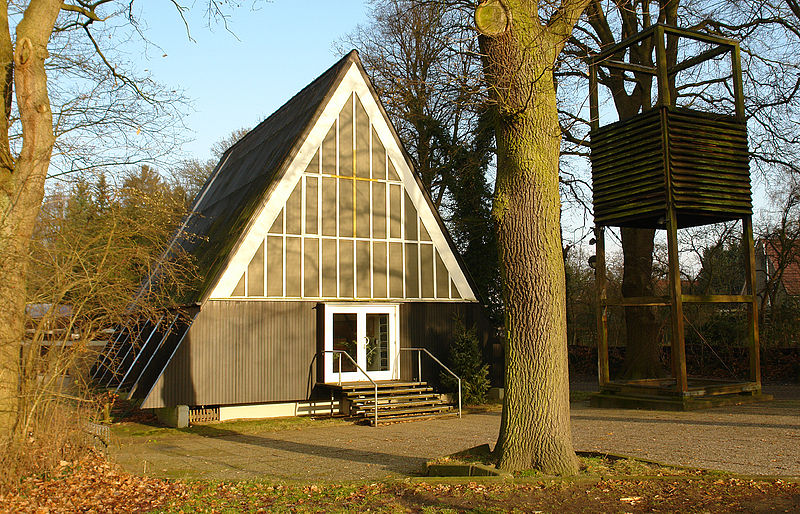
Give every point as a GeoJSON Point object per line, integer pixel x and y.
{"type": "Point", "coordinates": [90, 485]}
{"type": "Point", "coordinates": [93, 485]}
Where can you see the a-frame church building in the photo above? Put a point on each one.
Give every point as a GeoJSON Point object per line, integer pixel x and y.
{"type": "Point", "coordinates": [314, 235]}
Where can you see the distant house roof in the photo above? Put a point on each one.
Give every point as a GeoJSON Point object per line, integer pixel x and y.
{"type": "Point", "coordinates": [788, 259]}
{"type": "Point", "coordinates": [40, 310]}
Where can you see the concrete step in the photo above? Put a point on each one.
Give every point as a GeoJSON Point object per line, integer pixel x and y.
{"type": "Point", "coordinates": [400, 397]}
{"type": "Point", "coordinates": [409, 411]}
{"type": "Point", "coordinates": [397, 401]}
{"type": "Point", "coordinates": [367, 386]}
{"type": "Point", "coordinates": [388, 420]}
{"type": "Point", "coordinates": [386, 392]}
{"type": "Point", "coordinates": [367, 409]}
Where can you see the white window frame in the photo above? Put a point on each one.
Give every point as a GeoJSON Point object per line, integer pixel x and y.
{"type": "Point", "coordinates": [331, 372]}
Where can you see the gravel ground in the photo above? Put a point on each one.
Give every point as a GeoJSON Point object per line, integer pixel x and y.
{"type": "Point", "coordinates": [757, 439]}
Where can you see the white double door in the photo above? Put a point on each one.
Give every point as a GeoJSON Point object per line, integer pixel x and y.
{"type": "Point", "coordinates": [369, 336]}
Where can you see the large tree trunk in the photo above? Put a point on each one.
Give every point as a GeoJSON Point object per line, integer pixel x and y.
{"type": "Point", "coordinates": [535, 428]}
{"type": "Point", "coordinates": [518, 63]}
{"type": "Point", "coordinates": [21, 192]}
{"type": "Point", "coordinates": [643, 349]}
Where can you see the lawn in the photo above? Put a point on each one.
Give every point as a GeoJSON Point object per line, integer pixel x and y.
{"type": "Point", "coordinates": [95, 485]}
{"type": "Point", "coordinates": [655, 495]}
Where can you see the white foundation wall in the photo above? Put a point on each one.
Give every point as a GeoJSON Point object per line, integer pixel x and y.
{"type": "Point", "coordinates": [278, 410]}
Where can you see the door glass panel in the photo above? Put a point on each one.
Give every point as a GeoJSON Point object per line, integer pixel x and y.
{"type": "Point", "coordinates": [345, 335]}
{"type": "Point", "coordinates": [377, 342]}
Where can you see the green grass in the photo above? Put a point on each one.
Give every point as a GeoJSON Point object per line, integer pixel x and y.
{"type": "Point", "coordinates": [603, 465]}
{"type": "Point", "coordinates": [470, 495]}
{"type": "Point", "coordinates": [607, 466]}
{"type": "Point", "coordinates": [580, 396]}
{"type": "Point", "coordinates": [121, 492]}
{"type": "Point", "coordinates": [598, 465]}
{"type": "Point", "coordinates": [259, 495]}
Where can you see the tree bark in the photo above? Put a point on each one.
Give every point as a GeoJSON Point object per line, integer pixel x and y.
{"type": "Point", "coordinates": [21, 192]}
{"type": "Point", "coordinates": [535, 428]}
{"type": "Point", "coordinates": [643, 349]}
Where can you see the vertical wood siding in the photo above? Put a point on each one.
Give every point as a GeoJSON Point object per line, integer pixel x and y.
{"type": "Point", "coordinates": [239, 352]}
{"type": "Point", "coordinates": [242, 352]}
{"type": "Point", "coordinates": [432, 325]}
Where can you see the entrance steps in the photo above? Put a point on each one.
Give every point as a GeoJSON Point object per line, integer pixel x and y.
{"type": "Point", "coordinates": [397, 401]}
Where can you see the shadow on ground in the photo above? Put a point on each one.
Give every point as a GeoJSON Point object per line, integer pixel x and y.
{"type": "Point", "coordinates": [389, 461]}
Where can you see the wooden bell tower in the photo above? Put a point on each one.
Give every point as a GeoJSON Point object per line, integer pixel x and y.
{"type": "Point", "coordinates": [669, 168]}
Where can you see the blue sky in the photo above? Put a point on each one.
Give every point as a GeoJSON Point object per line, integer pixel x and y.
{"type": "Point", "coordinates": [237, 81]}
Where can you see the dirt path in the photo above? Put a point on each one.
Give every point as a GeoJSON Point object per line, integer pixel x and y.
{"type": "Point", "coordinates": [752, 439]}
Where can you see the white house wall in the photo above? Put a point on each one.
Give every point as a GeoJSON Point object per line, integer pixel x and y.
{"type": "Point", "coordinates": [347, 220]}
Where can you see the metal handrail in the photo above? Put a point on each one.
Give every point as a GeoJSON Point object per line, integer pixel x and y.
{"type": "Point", "coordinates": [432, 356]}
{"type": "Point", "coordinates": [359, 368]}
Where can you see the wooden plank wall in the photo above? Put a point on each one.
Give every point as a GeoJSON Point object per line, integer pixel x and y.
{"type": "Point", "coordinates": [709, 165]}
{"type": "Point", "coordinates": [628, 170]}
{"type": "Point", "coordinates": [241, 352]}
{"type": "Point", "coordinates": [708, 169]}
{"type": "Point", "coordinates": [431, 325]}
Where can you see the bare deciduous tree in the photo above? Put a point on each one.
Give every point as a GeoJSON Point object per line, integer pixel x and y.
{"type": "Point", "coordinates": [26, 154]}
{"type": "Point", "coordinates": [771, 104]}
{"type": "Point", "coordinates": [423, 59]}
{"type": "Point", "coordinates": [91, 245]}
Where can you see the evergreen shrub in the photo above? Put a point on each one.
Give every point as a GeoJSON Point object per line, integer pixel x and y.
{"type": "Point", "coordinates": [466, 361]}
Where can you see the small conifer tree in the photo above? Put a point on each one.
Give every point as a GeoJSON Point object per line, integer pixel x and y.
{"type": "Point", "coordinates": [467, 362]}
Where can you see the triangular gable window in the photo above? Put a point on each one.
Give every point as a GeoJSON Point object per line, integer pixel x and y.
{"type": "Point", "coordinates": [349, 228]}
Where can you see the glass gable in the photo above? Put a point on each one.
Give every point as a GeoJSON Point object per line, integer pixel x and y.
{"type": "Point", "coordinates": [348, 229]}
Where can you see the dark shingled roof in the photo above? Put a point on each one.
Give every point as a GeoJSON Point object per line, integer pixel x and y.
{"type": "Point", "coordinates": [241, 180]}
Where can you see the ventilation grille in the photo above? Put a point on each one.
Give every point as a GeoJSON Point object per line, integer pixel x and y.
{"type": "Point", "coordinates": [203, 415]}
